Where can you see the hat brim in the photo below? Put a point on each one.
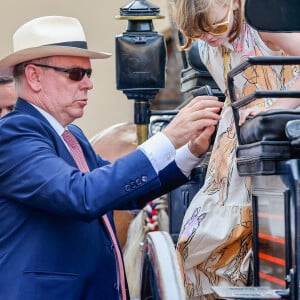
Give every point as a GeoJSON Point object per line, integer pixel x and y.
{"type": "Point", "coordinates": [8, 62]}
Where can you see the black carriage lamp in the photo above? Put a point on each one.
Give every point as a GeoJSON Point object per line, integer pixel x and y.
{"type": "Point", "coordinates": [140, 60]}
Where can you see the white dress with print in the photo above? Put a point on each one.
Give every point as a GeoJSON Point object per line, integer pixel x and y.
{"type": "Point", "coordinates": [215, 242]}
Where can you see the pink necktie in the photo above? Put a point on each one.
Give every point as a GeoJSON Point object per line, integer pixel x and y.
{"type": "Point", "coordinates": [78, 156]}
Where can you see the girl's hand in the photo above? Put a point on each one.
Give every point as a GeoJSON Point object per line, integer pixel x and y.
{"type": "Point", "coordinates": [244, 113]}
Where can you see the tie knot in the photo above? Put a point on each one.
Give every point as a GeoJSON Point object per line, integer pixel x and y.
{"type": "Point", "coordinates": [70, 139]}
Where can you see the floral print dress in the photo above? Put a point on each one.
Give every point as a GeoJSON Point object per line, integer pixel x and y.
{"type": "Point", "coordinates": [215, 243]}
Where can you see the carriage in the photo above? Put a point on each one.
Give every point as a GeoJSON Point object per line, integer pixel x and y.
{"type": "Point", "coordinates": [270, 155]}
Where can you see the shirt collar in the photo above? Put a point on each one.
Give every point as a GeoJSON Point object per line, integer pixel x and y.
{"type": "Point", "coordinates": [53, 122]}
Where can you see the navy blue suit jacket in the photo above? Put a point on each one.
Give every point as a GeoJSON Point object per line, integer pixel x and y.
{"type": "Point", "coordinates": [53, 244]}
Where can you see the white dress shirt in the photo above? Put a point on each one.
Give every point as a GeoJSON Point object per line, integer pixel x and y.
{"type": "Point", "coordinates": [159, 149]}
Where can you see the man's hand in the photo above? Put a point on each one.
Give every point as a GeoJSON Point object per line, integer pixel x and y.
{"type": "Point", "coordinates": [192, 120]}
{"type": "Point", "coordinates": [200, 141]}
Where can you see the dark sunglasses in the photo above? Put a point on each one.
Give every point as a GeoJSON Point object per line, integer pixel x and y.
{"type": "Point", "coordinates": [75, 74]}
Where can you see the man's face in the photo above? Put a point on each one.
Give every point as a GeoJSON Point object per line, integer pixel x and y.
{"type": "Point", "coordinates": [8, 98]}
{"type": "Point", "coordinates": [61, 96]}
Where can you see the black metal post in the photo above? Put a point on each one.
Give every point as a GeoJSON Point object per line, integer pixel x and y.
{"type": "Point", "coordinates": [140, 60]}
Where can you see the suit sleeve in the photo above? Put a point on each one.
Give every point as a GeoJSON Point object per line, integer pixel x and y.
{"type": "Point", "coordinates": [37, 170]}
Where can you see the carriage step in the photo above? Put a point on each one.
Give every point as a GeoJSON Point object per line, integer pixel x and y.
{"type": "Point", "coordinates": [246, 293]}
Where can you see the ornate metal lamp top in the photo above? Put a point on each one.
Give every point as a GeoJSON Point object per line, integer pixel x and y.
{"type": "Point", "coordinates": [139, 10]}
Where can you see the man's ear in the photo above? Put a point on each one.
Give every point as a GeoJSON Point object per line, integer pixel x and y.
{"type": "Point", "coordinates": [33, 76]}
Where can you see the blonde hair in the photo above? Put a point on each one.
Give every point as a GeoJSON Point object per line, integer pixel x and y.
{"type": "Point", "coordinates": [192, 18]}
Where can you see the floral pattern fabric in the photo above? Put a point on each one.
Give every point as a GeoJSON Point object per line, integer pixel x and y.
{"type": "Point", "coordinates": [215, 243]}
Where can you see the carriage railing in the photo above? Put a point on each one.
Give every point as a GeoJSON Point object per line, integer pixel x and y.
{"type": "Point", "coordinates": [273, 167]}
{"type": "Point", "coordinates": [253, 61]}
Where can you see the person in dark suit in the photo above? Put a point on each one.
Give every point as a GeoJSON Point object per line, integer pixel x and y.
{"type": "Point", "coordinates": [56, 227]}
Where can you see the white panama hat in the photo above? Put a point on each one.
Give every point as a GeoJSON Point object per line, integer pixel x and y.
{"type": "Point", "coordinates": [48, 36]}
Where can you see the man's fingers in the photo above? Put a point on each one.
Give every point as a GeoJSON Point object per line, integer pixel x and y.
{"type": "Point", "coordinates": [192, 118]}
{"type": "Point", "coordinates": [202, 102]}
{"type": "Point", "coordinates": [205, 114]}
{"type": "Point", "coordinates": [200, 141]}
{"type": "Point", "coordinates": [200, 99]}
{"type": "Point", "coordinates": [203, 123]}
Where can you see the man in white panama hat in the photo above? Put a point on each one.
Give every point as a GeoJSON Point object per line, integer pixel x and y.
{"type": "Point", "coordinates": [56, 228]}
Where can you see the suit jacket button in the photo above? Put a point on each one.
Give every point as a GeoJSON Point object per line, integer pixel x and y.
{"type": "Point", "coordinates": [138, 181]}
{"type": "Point", "coordinates": [127, 188]}
{"type": "Point", "coordinates": [133, 184]}
{"type": "Point", "coordinates": [144, 178]}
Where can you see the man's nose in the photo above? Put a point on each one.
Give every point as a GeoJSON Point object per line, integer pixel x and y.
{"type": "Point", "coordinates": [86, 82]}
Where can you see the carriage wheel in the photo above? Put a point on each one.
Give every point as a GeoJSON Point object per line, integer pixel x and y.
{"type": "Point", "coordinates": [160, 277]}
